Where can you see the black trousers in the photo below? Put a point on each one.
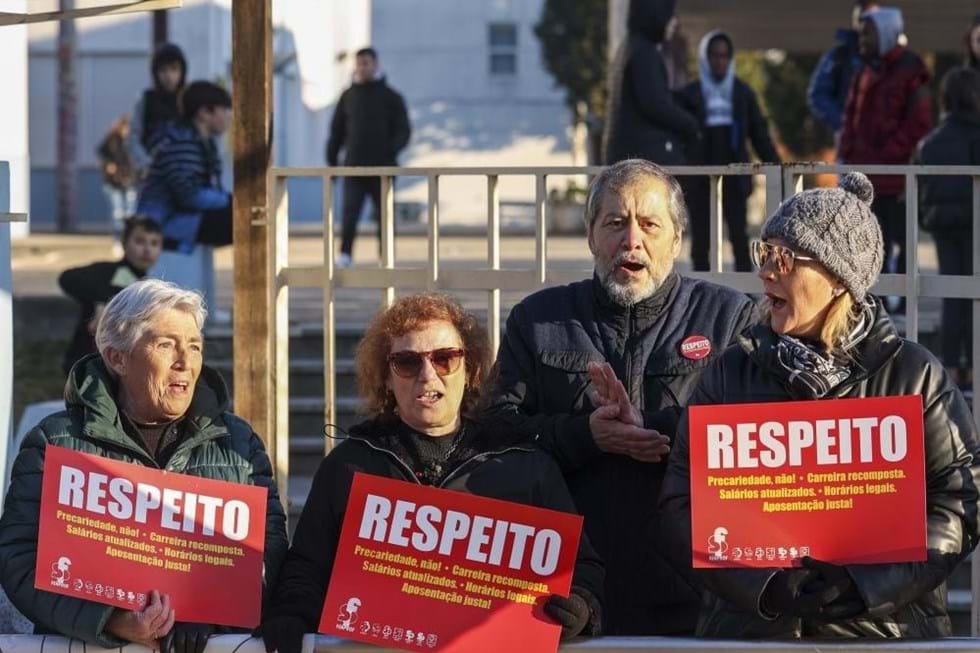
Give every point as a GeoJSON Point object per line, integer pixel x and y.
{"type": "Point", "coordinates": [356, 190]}
{"type": "Point", "coordinates": [697, 194]}
{"type": "Point", "coordinates": [890, 212]}
{"type": "Point", "coordinates": [955, 250]}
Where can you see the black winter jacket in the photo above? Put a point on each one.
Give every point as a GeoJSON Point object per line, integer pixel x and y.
{"type": "Point", "coordinates": [542, 387]}
{"type": "Point", "coordinates": [216, 445]}
{"type": "Point", "coordinates": [643, 120]}
{"type": "Point", "coordinates": [370, 123]}
{"type": "Point", "coordinates": [903, 599]}
{"type": "Point", "coordinates": [492, 465]}
{"type": "Point", "coordinates": [947, 202]}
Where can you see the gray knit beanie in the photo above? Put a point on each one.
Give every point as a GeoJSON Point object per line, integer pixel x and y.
{"type": "Point", "coordinates": [837, 227]}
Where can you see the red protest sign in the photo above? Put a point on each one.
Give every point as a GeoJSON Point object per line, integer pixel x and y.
{"type": "Point", "coordinates": [111, 532]}
{"type": "Point", "coordinates": [420, 568]}
{"type": "Point", "coordinates": [839, 480]}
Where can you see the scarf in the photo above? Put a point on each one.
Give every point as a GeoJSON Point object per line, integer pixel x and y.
{"type": "Point", "coordinates": [810, 369]}
{"type": "Point", "coordinates": [717, 95]}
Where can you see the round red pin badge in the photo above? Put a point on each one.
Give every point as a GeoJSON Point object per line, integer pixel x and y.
{"type": "Point", "coordinates": [695, 347]}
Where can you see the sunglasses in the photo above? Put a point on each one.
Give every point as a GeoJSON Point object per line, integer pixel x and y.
{"type": "Point", "coordinates": [407, 364]}
{"type": "Point", "coordinates": [783, 257]}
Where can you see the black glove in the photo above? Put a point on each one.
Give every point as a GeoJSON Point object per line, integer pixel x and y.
{"type": "Point", "coordinates": [572, 613]}
{"type": "Point", "coordinates": [187, 638]}
{"type": "Point", "coordinates": [783, 594]}
{"type": "Point", "coordinates": [283, 634]}
{"type": "Point", "coordinates": [837, 585]}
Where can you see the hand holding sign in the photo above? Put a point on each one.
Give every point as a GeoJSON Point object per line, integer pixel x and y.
{"type": "Point", "coordinates": [144, 627]}
{"type": "Point", "coordinates": [617, 425]}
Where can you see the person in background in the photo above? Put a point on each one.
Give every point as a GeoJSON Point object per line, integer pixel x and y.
{"type": "Point", "coordinates": [599, 371]}
{"type": "Point", "coordinates": [145, 399]}
{"type": "Point", "coordinates": [831, 80]}
{"type": "Point", "coordinates": [730, 118]}
{"type": "Point", "coordinates": [183, 191]}
{"type": "Point", "coordinates": [973, 44]}
{"type": "Point", "coordinates": [643, 121]}
{"type": "Point", "coordinates": [119, 175]}
{"type": "Point", "coordinates": [888, 111]}
{"type": "Point", "coordinates": [420, 367]}
{"type": "Point", "coordinates": [370, 124]}
{"type": "Point", "coordinates": [947, 209]}
{"type": "Point", "coordinates": [93, 285]}
{"type": "Point", "coordinates": [157, 107]}
{"type": "Point", "coordinates": [823, 336]}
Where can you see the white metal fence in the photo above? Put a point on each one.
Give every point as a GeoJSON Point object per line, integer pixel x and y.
{"type": "Point", "coordinates": [781, 181]}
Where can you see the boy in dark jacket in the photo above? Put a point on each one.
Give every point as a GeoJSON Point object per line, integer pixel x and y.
{"type": "Point", "coordinates": [92, 286]}
{"type": "Point", "coordinates": [947, 208]}
{"type": "Point", "coordinates": [729, 114]}
{"type": "Point", "coordinates": [157, 107]}
{"type": "Point", "coordinates": [183, 191]}
{"type": "Point", "coordinates": [371, 125]}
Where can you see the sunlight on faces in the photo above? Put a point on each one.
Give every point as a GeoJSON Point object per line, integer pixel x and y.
{"type": "Point", "coordinates": [799, 300]}
{"type": "Point", "coordinates": [427, 402]}
{"type": "Point", "coordinates": [157, 378]}
{"type": "Point", "coordinates": [142, 248]}
{"type": "Point", "coordinates": [633, 240]}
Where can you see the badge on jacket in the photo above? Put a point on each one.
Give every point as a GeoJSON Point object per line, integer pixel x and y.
{"type": "Point", "coordinates": [695, 347]}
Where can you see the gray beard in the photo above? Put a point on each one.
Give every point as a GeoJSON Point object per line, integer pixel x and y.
{"type": "Point", "coordinates": [627, 295]}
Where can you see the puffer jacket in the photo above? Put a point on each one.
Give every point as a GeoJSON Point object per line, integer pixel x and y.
{"type": "Point", "coordinates": [903, 599]}
{"type": "Point", "coordinates": [542, 387]}
{"type": "Point", "coordinates": [643, 120]}
{"type": "Point", "coordinates": [488, 463]}
{"type": "Point", "coordinates": [216, 445]}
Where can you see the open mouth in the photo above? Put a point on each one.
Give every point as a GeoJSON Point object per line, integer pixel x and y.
{"type": "Point", "coordinates": [775, 301]}
{"type": "Point", "coordinates": [632, 266]}
{"type": "Point", "coordinates": [430, 397]}
{"type": "Point", "coordinates": [179, 386]}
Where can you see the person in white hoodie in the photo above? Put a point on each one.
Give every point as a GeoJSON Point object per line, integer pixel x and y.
{"type": "Point", "coordinates": [730, 118]}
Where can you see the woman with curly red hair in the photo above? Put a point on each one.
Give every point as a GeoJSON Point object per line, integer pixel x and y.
{"type": "Point", "coordinates": [420, 367]}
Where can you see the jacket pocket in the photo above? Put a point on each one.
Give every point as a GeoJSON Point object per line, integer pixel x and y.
{"type": "Point", "coordinates": [565, 380]}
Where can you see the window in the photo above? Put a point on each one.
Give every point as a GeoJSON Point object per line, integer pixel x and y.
{"type": "Point", "coordinates": [502, 39]}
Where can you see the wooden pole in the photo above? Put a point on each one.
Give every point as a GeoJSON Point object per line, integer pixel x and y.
{"type": "Point", "coordinates": [252, 107]}
{"type": "Point", "coordinates": [67, 171]}
{"type": "Point", "coordinates": [160, 28]}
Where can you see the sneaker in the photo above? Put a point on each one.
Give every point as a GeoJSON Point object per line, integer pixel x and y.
{"type": "Point", "coordinates": [342, 261]}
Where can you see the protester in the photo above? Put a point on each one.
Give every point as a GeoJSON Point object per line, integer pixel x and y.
{"type": "Point", "coordinates": [643, 120]}
{"type": "Point", "coordinates": [831, 79]}
{"type": "Point", "coordinates": [824, 337]}
{"type": "Point", "coordinates": [371, 125]}
{"type": "Point", "coordinates": [730, 117]}
{"type": "Point", "coordinates": [157, 107]}
{"type": "Point", "coordinates": [183, 191]}
{"type": "Point", "coordinates": [145, 399]}
{"type": "Point", "coordinates": [119, 175]}
{"type": "Point", "coordinates": [600, 369]}
{"type": "Point", "coordinates": [887, 113]}
{"type": "Point", "coordinates": [973, 44]}
{"type": "Point", "coordinates": [420, 366]}
{"type": "Point", "coordinates": [93, 285]}
{"type": "Point", "coordinates": [947, 209]}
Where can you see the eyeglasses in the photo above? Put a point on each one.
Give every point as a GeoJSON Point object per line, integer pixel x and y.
{"type": "Point", "coordinates": [407, 364]}
{"type": "Point", "coordinates": [783, 257]}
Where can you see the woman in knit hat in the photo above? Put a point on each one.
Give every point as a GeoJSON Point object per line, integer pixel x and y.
{"type": "Point", "coordinates": [823, 336]}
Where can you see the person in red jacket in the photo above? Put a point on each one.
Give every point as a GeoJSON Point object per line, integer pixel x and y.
{"type": "Point", "coordinates": [888, 111]}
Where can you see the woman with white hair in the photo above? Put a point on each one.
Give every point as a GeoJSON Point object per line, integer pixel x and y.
{"type": "Point", "coordinates": [147, 399]}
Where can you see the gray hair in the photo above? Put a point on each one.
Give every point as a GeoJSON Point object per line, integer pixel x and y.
{"type": "Point", "coordinates": [127, 315]}
{"type": "Point", "coordinates": [622, 174]}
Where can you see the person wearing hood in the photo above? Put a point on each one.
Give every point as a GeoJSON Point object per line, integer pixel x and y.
{"type": "Point", "coordinates": [157, 107]}
{"type": "Point", "coordinates": [643, 120]}
{"type": "Point", "coordinates": [888, 111]}
{"type": "Point", "coordinates": [831, 79]}
{"type": "Point", "coordinates": [947, 208]}
{"type": "Point", "coordinates": [145, 399]}
{"type": "Point", "coordinates": [823, 336]}
{"type": "Point", "coordinates": [730, 118]}
{"type": "Point", "coordinates": [370, 124]}
{"type": "Point", "coordinates": [973, 44]}
{"type": "Point", "coordinates": [420, 367]}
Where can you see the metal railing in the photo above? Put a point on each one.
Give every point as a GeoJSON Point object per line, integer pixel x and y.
{"type": "Point", "coordinates": [323, 644]}
{"type": "Point", "coordinates": [781, 181]}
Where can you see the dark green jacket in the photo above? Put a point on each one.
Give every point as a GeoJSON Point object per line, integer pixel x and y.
{"type": "Point", "coordinates": [216, 444]}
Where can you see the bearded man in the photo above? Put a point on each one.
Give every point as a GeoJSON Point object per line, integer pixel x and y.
{"type": "Point", "coordinates": [600, 370]}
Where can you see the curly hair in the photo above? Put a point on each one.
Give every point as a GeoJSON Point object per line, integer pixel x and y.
{"type": "Point", "coordinates": [409, 314]}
